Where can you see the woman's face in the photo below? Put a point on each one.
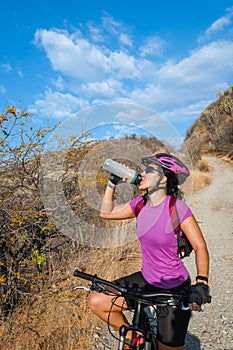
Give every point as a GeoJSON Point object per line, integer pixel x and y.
{"type": "Point", "coordinates": [150, 177]}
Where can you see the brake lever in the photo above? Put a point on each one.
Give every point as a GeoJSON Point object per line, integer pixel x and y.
{"type": "Point", "coordinates": [83, 287]}
{"type": "Point", "coordinates": [179, 304]}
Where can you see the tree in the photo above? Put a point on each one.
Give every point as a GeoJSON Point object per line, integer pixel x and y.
{"type": "Point", "coordinates": [24, 224]}
{"type": "Point", "coordinates": [31, 247]}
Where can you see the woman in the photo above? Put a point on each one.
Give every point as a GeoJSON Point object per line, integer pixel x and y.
{"type": "Point", "coordinates": [162, 269]}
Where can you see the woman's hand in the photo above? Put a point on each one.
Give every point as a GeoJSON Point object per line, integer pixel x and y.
{"type": "Point", "coordinates": [199, 294]}
{"type": "Point", "coordinates": [115, 180]}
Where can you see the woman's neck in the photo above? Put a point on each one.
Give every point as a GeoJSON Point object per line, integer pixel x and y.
{"type": "Point", "coordinates": [157, 197]}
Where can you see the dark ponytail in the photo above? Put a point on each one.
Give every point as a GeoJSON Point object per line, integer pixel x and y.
{"type": "Point", "coordinates": [172, 184]}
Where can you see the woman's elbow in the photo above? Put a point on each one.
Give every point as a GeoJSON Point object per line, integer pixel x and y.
{"type": "Point", "coordinates": [201, 248]}
{"type": "Point", "coordinates": [104, 215]}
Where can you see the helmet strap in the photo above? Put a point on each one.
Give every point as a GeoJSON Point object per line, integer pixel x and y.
{"type": "Point", "coordinates": [157, 186]}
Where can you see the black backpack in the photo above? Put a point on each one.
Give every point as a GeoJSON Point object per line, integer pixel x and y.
{"type": "Point", "coordinates": [184, 246]}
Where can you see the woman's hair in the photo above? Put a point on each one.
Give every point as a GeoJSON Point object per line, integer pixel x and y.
{"type": "Point", "coordinates": [172, 184]}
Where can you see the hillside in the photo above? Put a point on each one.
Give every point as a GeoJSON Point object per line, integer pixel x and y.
{"type": "Point", "coordinates": [212, 132]}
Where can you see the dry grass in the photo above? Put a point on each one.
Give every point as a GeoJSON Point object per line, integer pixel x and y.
{"type": "Point", "coordinates": [200, 180]}
{"type": "Point", "coordinates": [203, 166]}
{"type": "Point", "coordinates": [201, 177]}
{"type": "Point", "coordinates": [59, 318]}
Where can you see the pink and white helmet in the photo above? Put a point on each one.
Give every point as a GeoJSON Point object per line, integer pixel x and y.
{"type": "Point", "coordinates": [167, 161]}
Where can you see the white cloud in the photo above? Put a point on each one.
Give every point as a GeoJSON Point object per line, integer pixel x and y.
{"type": "Point", "coordinates": [111, 25]}
{"type": "Point", "coordinates": [153, 46]}
{"type": "Point", "coordinates": [123, 65]}
{"type": "Point", "coordinates": [20, 73]}
{"type": "Point", "coordinates": [125, 40]}
{"type": "Point", "coordinates": [185, 112]}
{"type": "Point", "coordinates": [78, 58]}
{"type": "Point", "coordinates": [107, 88]}
{"type": "Point", "coordinates": [58, 83]}
{"type": "Point", "coordinates": [212, 62]}
{"type": "Point", "coordinates": [2, 89]}
{"type": "Point", "coordinates": [6, 67]}
{"type": "Point", "coordinates": [196, 77]}
{"type": "Point", "coordinates": [58, 105]}
{"type": "Point", "coordinates": [111, 32]}
{"type": "Point", "coordinates": [75, 58]}
{"type": "Point", "coordinates": [97, 73]}
{"type": "Point", "coordinates": [217, 27]}
{"type": "Point", "coordinates": [96, 34]}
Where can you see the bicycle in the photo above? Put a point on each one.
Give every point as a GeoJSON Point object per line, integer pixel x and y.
{"type": "Point", "coordinates": [144, 313]}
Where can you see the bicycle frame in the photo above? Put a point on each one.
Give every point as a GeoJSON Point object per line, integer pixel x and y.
{"type": "Point", "coordinates": [142, 301]}
{"type": "Point", "coordinates": [149, 339]}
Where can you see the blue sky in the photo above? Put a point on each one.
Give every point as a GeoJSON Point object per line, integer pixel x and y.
{"type": "Point", "coordinates": [60, 58]}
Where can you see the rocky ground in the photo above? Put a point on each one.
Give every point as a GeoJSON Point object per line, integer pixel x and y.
{"type": "Point", "coordinates": [211, 329]}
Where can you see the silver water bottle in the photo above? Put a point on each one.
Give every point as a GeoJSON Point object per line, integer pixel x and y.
{"type": "Point", "coordinates": [122, 171]}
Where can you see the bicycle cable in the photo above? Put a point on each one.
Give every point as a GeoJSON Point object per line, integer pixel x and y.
{"type": "Point", "coordinates": [108, 320]}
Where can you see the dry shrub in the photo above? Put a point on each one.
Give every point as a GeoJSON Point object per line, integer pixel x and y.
{"type": "Point", "coordinates": [200, 175]}
{"type": "Point", "coordinates": [59, 318]}
{"type": "Point", "coordinates": [200, 179]}
{"type": "Point", "coordinates": [203, 166]}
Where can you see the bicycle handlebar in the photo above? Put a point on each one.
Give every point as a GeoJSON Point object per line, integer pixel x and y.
{"type": "Point", "coordinates": [95, 279]}
{"type": "Point", "coordinates": [84, 275]}
{"type": "Point", "coordinates": [175, 299]}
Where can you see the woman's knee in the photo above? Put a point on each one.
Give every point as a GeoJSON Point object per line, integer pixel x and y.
{"type": "Point", "coordinates": [95, 302]}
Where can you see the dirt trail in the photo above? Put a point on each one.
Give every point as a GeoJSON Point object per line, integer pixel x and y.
{"type": "Point", "coordinates": [212, 206]}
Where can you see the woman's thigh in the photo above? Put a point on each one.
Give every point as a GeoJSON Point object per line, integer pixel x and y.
{"type": "Point", "coordinates": [99, 302]}
{"type": "Point", "coordinates": [172, 325]}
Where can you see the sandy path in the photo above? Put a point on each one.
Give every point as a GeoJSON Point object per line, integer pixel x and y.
{"type": "Point", "coordinates": [212, 206]}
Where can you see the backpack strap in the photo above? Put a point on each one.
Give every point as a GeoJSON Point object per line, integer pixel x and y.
{"type": "Point", "coordinates": [139, 207]}
{"type": "Point", "coordinates": [140, 204]}
{"type": "Point", "coordinates": [183, 248]}
{"type": "Point", "coordinates": [173, 214]}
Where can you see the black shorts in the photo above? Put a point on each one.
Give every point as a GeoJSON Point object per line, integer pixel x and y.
{"type": "Point", "coordinates": [172, 322]}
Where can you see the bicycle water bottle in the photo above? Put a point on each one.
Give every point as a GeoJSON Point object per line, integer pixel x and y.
{"type": "Point", "coordinates": [122, 171]}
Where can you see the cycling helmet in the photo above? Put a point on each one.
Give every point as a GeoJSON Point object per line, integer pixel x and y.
{"type": "Point", "coordinates": [172, 163]}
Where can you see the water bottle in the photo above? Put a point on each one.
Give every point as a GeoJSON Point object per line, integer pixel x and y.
{"type": "Point", "coordinates": [122, 171]}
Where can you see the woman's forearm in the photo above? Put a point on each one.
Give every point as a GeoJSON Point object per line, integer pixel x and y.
{"type": "Point", "coordinates": [107, 202]}
{"type": "Point", "coordinates": [202, 262]}
{"type": "Point", "coordinates": [195, 236]}
{"type": "Point", "coordinates": [111, 212]}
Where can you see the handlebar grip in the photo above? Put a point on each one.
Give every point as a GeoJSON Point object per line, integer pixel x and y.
{"type": "Point", "coordinates": [83, 275]}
